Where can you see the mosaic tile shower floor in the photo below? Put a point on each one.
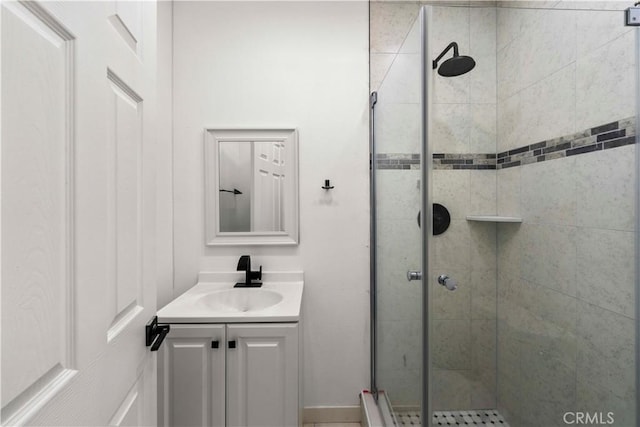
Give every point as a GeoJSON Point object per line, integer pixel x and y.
{"type": "Point", "coordinates": [486, 417]}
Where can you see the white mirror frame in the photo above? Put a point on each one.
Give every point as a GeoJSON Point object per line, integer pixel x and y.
{"type": "Point", "coordinates": [212, 139]}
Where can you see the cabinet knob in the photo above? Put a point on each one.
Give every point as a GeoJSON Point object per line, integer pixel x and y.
{"type": "Point", "coordinates": [232, 344]}
{"type": "Point", "coordinates": [215, 344]}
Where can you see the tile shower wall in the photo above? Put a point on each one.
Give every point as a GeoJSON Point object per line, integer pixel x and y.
{"type": "Point", "coordinates": [464, 122]}
{"type": "Point", "coordinates": [566, 274]}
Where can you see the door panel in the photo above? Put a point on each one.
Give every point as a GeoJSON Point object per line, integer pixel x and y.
{"type": "Point", "coordinates": [130, 413]}
{"type": "Point", "coordinates": [37, 247]}
{"type": "Point", "coordinates": [77, 213]}
{"type": "Point", "coordinates": [129, 13]}
{"type": "Point", "coordinates": [125, 121]}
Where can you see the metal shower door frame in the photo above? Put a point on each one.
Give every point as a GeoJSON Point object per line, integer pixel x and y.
{"type": "Point", "coordinates": [373, 287]}
{"type": "Point", "coordinates": [427, 214]}
{"type": "Point", "coordinates": [425, 206]}
{"type": "Point", "coordinates": [637, 226]}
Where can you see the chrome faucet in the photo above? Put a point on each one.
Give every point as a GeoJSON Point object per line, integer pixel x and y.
{"type": "Point", "coordinates": [244, 264]}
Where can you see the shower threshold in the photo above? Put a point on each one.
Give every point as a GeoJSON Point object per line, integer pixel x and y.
{"type": "Point", "coordinates": [480, 417]}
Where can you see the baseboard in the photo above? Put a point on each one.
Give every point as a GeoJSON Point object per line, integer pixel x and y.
{"type": "Point", "coordinates": [331, 414]}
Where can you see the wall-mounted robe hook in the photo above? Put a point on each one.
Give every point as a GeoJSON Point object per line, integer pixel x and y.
{"type": "Point", "coordinates": [327, 185]}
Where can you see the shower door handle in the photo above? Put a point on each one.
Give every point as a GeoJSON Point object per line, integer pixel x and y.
{"type": "Point", "coordinates": [414, 275]}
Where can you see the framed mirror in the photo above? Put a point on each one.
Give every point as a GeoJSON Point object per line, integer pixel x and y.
{"type": "Point", "coordinates": [251, 185]}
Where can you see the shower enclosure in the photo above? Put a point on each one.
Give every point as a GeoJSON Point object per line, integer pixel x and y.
{"type": "Point", "coordinates": [532, 151]}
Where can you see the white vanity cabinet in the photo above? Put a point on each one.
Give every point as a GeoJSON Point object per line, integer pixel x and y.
{"type": "Point", "coordinates": [242, 374]}
{"type": "Point", "coordinates": [191, 376]}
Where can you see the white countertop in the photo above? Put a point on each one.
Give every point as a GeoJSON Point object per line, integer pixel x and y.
{"type": "Point", "coordinates": [188, 307]}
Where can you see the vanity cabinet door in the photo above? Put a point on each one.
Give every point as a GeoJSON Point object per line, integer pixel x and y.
{"type": "Point", "coordinates": [191, 381]}
{"type": "Point", "coordinates": [262, 375]}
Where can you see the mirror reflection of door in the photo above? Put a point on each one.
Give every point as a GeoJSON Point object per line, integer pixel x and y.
{"type": "Point", "coordinates": [251, 186]}
{"type": "Point", "coordinates": [268, 178]}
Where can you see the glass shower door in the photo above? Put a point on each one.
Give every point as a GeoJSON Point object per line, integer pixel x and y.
{"type": "Point", "coordinates": [397, 186]}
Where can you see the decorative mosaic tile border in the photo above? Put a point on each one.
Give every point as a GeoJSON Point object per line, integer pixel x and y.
{"type": "Point", "coordinates": [440, 161]}
{"type": "Point", "coordinates": [398, 161]}
{"type": "Point", "coordinates": [603, 137]}
{"type": "Point", "coordinates": [464, 161]}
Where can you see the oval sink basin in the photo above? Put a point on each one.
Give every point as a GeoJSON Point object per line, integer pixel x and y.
{"type": "Point", "coordinates": [240, 300]}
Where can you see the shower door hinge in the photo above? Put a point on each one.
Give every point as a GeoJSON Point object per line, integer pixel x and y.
{"type": "Point", "coordinates": [632, 16]}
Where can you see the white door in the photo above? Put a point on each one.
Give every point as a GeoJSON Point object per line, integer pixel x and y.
{"type": "Point", "coordinates": [77, 212]}
{"type": "Point", "coordinates": [191, 378]}
{"type": "Point", "coordinates": [262, 375]}
{"type": "Point", "coordinates": [268, 182]}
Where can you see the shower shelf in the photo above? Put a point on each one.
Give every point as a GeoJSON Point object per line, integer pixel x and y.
{"type": "Point", "coordinates": [493, 218]}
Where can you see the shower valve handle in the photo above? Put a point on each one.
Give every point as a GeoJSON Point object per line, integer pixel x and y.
{"type": "Point", "coordinates": [448, 282]}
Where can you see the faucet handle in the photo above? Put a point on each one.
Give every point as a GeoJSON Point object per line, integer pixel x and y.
{"type": "Point", "coordinates": [256, 275]}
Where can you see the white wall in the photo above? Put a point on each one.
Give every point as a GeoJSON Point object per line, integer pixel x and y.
{"type": "Point", "coordinates": [302, 65]}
